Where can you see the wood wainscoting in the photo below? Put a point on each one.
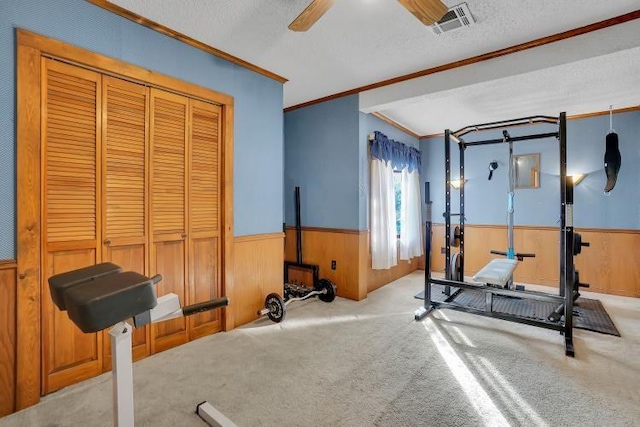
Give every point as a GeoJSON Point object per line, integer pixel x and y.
{"type": "Point", "coordinates": [7, 337]}
{"type": "Point", "coordinates": [353, 274]}
{"type": "Point", "coordinates": [379, 278]}
{"type": "Point", "coordinates": [608, 265]}
{"type": "Point", "coordinates": [258, 271]}
{"type": "Point", "coordinates": [321, 246]}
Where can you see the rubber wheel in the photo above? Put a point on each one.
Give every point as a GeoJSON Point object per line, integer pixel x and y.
{"type": "Point", "coordinates": [323, 284]}
{"type": "Point", "coordinates": [275, 304]}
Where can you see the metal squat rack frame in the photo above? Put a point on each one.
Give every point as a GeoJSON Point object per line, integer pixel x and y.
{"type": "Point", "coordinates": [567, 267]}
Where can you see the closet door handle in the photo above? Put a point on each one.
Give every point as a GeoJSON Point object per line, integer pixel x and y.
{"type": "Point", "coordinates": [184, 236]}
{"type": "Point", "coordinates": [107, 242]}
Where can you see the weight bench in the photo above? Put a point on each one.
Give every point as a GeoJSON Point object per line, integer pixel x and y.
{"type": "Point", "coordinates": [102, 296]}
{"type": "Point", "coordinates": [498, 272]}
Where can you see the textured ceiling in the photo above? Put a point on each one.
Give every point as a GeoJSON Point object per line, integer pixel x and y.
{"type": "Point", "coordinates": [589, 86]}
{"type": "Point", "coordinates": [360, 42]}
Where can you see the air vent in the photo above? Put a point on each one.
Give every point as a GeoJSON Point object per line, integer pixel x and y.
{"type": "Point", "coordinates": [457, 17]}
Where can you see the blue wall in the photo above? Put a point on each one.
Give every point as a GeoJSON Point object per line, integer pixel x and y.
{"type": "Point", "coordinates": [486, 201]}
{"type": "Point", "coordinates": [321, 157]}
{"type": "Point", "coordinates": [327, 156]}
{"type": "Point", "coordinates": [258, 160]}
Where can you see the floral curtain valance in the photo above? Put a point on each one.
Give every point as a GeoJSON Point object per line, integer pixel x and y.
{"type": "Point", "coordinates": [401, 155]}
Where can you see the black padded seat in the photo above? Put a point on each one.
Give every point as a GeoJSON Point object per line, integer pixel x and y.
{"type": "Point", "coordinates": [101, 296]}
{"type": "Point", "coordinates": [60, 283]}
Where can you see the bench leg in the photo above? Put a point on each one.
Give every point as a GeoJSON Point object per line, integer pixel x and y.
{"type": "Point", "coordinates": [488, 302]}
{"type": "Point", "coordinates": [122, 365]}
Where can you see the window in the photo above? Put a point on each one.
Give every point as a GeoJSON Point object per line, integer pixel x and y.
{"type": "Point", "coordinates": [397, 188]}
{"type": "Point", "coordinates": [396, 230]}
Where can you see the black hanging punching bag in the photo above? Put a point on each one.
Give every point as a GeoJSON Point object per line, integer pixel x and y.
{"type": "Point", "coordinates": [612, 161]}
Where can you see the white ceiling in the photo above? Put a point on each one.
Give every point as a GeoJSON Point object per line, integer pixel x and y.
{"type": "Point", "coordinates": [360, 42]}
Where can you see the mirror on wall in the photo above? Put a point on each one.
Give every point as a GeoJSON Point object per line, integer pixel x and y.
{"type": "Point", "coordinates": [527, 170]}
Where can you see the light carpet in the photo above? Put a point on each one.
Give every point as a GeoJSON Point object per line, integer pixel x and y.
{"type": "Point", "coordinates": [368, 363]}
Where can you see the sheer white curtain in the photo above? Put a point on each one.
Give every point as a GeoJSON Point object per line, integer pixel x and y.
{"type": "Point", "coordinates": [383, 218]}
{"type": "Point", "coordinates": [410, 216]}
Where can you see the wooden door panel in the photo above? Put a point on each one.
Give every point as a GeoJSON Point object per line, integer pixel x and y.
{"type": "Point", "coordinates": [204, 215]}
{"type": "Point", "coordinates": [125, 159]}
{"type": "Point", "coordinates": [204, 185]}
{"type": "Point", "coordinates": [169, 187]}
{"type": "Point", "coordinates": [70, 135]}
{"type": "Point", "coordinates": [169, 263]}
{"type": "Point", "coordinates": [168, 163]}
{"type": "Point", "coordinates": [205, 275]}
{"type": "Point", "coordinates": [130, 258]}
{"type": "Point", "coordinates": [70, 355]}
{"type": "Point", "coordinates": [124, 188]}
{"type": "Point", "coordinates": [70, 176]}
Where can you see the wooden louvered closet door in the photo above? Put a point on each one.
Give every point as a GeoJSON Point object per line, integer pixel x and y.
{"type": "Point", "coordinates": [70, 135]}
{"type": "Point", "coordinates": [204, 215]}
{"type": "Point", "coordinates": [124, 188]}
{"type": "Point", "coordinates": [130, 175]}
{"type": "Point", "coordinates": [168, 184]}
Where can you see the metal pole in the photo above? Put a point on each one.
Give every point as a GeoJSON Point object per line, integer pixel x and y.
{"type": "Point", "coordinates": [569, 271]}
{"type": "Point", "coordinates": [510, 200]}
{"type": "Point", "coordinates": [427, 247]}
{"type": "Point", "coordinates": [563, 199]}
{"type": "Point", "coordinates": [566, 239]}
{"type": "Point", "coordinates": [447, 207]}
{"type": "Point", "coordinates": [298, 228]}
{"type": "Point", "coordinates": [422, 312]}
{"type": "Point", "coordinates": [122, 374]}
{"type": "Point", "coordinates": [461, 218]}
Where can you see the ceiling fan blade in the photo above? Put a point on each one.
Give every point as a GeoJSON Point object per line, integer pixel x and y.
{"type": "Point", "coordinates": [427, 11]}
{"type": "Point", "coordinates": [311, 14]}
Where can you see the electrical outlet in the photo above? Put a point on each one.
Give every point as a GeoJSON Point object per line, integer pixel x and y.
{"type": "Point", "coordinates": [333, 264]}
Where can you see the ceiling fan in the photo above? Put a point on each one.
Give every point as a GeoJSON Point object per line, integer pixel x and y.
{"type": "Point", "coordinates": [427, 11]}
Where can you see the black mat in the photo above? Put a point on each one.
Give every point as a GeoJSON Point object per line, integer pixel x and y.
{"type": "Point", "coordinates": [588, 314]}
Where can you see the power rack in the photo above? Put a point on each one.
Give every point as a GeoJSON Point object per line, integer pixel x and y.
{"type": "Point", "coordinates": [486, 299]}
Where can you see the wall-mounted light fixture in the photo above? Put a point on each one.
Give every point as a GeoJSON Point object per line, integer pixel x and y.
{"type": "Point", "coordinates": [456, 183]}
{"type": "Point", "coordinates": [577, 178]}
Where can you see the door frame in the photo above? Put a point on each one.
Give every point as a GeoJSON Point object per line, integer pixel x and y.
{"type": "Point", "coordinates": [31, 47]}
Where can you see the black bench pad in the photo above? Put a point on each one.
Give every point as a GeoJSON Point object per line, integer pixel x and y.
{"type": "Point", "coordinates": [102, 295]}
{"type": "Point", "coordinates": [60, 283]}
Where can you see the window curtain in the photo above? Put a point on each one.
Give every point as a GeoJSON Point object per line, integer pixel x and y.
{"type": "Point", "coordinates": [383, 216]}
{"type": "Point", "coordinates": [410, 216]}
{"type": "Point", "coordinates": [388, 155]}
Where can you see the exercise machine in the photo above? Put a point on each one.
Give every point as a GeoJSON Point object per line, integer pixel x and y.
{"type": "Point", "coordinates": [485, 297]}
{"type": "Point", "coordinates": [275, 306]}
{"type": "Point", "coordinates": [101, 296]}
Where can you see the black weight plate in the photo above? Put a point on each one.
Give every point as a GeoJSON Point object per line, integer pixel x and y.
{"type": "Point", "coordinates": [275, 304]}
{"type": "Point", "coordinates": [451, 274]}
{"type": "Point", "coordinates": [577, 243]}
{"type": "Point", "coordinates": [330, 295]}
{"type": "Point", "coordinates": [455, 267]}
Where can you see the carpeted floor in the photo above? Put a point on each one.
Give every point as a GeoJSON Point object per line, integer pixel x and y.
{"type": "Point", "coordinates": [368, 363]}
